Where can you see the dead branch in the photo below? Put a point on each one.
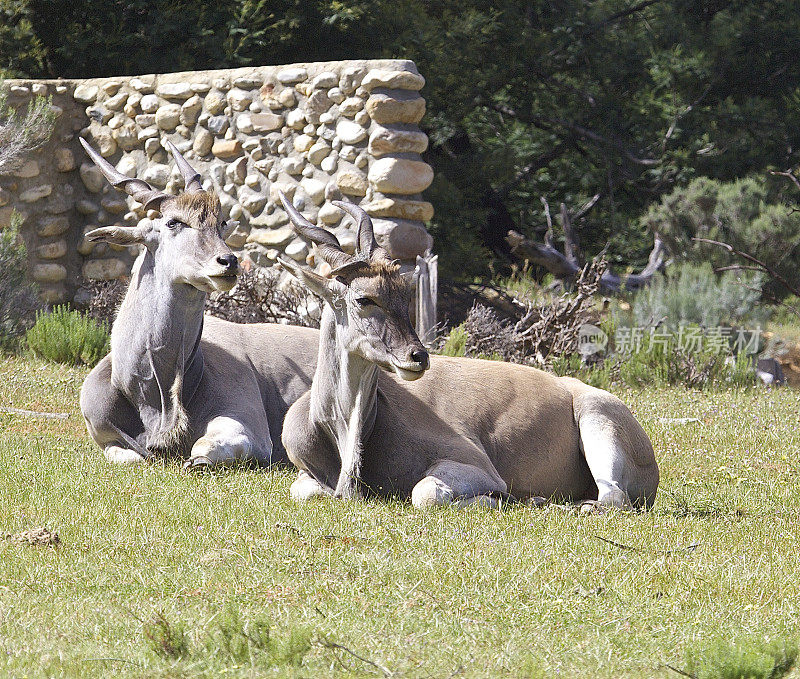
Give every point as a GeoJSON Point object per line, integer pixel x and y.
{"type": "Point", "coordinates": [33, 413]}
{"type": "Point", "coordinates": [553, 329]}
{"type": "Point", "coordinates": [571, 246]}
{"type": "Point", "coordinates": [755, 265]}
{"type": "Point", "coordinates": [326, 643]}
{"type": "Point", "coordinates": [789, 174]}
{"type": "Point", "coordinates": [562, 267]}
{"type": "Point", "coordinates": [586, 207]}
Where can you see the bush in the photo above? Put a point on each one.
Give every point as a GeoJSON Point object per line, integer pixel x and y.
{"type": "Point", "coordinates": [663, 363]}
{"type": "Point", "coordinates": [67, 336]}
{"type": "Point", "coordinates": [694, 294]}
{"type": "Point", "coordinates": [747, 659]}
{"type": "Point", "coordinates": [455, 342]}
{"type": "Point", "coordinates": [743, 213]}
{"type": "Point", "coordinates": [19, 135]}
{"type": "Point", "coordinates": [253, 642]}
{"type": "Point", "coordinates": [261, 297]}
{"type": "Point", "coordinates": [166, 639]}
{"type": "Point", "coordinates": [18, 300]}
{"type": "Point", "coordinates": [542, 330]}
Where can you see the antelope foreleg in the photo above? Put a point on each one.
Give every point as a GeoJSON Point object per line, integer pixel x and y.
{"type": "Point", "coordinates": [225, 442]}
{"type": "Point", "coordinates": [459, 484]}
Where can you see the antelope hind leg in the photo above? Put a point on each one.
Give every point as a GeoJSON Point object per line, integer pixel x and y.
{"type": "Point", "coordinates": [449, 482]}
{"type": "Point", "coordinates": [225, 442]}
{"type": "Point", "coordinates": [620, 458]}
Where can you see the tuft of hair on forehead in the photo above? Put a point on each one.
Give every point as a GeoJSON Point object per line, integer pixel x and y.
{"type": "Point", "coordinates": [198, 208]}
{"type": "Point", "coordinates": [365, 269]}
{"type": "Point", "coordinates": [381, 277]}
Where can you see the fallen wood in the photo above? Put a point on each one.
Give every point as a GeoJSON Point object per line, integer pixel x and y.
{"type": "Point", "coordinates": [546, 255]}
{"type": "Point", "coordinates": [567, 265]}
{"type": "Point", "coordinates": [33, 413]}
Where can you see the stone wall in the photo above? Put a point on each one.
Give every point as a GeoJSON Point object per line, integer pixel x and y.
{"type": "Point", "coordinates": [318, 132]}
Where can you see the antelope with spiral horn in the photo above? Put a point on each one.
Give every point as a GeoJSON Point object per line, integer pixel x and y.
{"type": "Point", "coordinates": [177, 382]}
{"type": "Point", "coordinates": [383, 418]}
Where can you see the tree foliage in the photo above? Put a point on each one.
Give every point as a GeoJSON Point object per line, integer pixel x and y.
{"type": "Point", "coordinates": [747, 213]}
{"type": "Point", "coordinates": [560, 98]}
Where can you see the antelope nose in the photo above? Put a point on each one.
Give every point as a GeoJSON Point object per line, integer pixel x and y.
{"type": "Point", "coordinates": [229, 261]}
{"type": "Point", "coordinates": [420, 356]}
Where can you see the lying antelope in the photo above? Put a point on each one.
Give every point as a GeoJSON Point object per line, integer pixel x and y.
{"type": "Point", "coordinates": [470, 430]}
{"type": "Point", "coordinates": [177, 382]}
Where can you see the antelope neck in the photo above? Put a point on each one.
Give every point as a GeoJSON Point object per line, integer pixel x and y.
{"type": "Point", "coordinates": [156, 359]}
{"type": "Point", "coordinates": [344, 399]}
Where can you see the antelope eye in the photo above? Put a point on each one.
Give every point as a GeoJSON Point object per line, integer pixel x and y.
{"type": "Point", "coordinates": [173, 223]}
{"type": "Point", "coordinates": [365, 301]}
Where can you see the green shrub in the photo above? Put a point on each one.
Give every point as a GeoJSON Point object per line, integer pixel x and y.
{"type": "Point", "coordinates": [663, 364]}
{"type": "Point", "coordinates": [744, 213]}
{"type": "Point", "coordinates": [455, 343]}
{"type": "Point", "coordinates": [252, 641]}
{"type": "Point", "coordinates": [748, 659]}
{"type": "Point", "coordinates": [166, 639]}
{"type": "Point", "coordinates": [18, 300]}
{"type": "Point", "coordinates": [788, 313]}
{"type": "Point", "coordinates": [68, 337]}
{"type": "Point", "coordinates": [691, 293]}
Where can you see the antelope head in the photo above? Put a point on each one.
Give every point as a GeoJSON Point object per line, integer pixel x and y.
{"type": "Point", "coordinates": [187, 240]}
{"type": "Point", "coordinates": [367, 294]}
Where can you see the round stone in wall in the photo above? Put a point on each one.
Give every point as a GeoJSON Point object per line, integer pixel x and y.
{"type": "Point", "coordinates": [104, 269]}
{"type": "Point", "coordinates": [292, 75]}
{"type": "Point", "coordinates": [203, 141]}
{"type": "Point", "coordinates": [168, 117]}
{"type": "Point", "coordinates": [399, 175]}
{"type": "Point", "coordinates": [65, 160]}
{"type": "Point", "coordinates": [85, 94]}
{"type": "Point", "coordinates": [215, 102]}
{"type": "Point", "coordinates": [352, 183]}
{"type": "Point", "coordinates": [350, 132]}
{"type": "Point", "coordinates": [149, 103]}
{"type": "Point", "coordinates": [175, 90]}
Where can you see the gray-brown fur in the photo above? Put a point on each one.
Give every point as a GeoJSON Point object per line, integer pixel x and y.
{"type": "Point", "coordinates": [177, 382]}
{"type": "Point", "coordinates": [465, 431]}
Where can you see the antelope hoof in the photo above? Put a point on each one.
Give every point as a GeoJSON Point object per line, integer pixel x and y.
{"type": "Point", "coordinates": [307, 488]}
{"type": "Point", "coordinates": [594, 507]}
{"type": "Point", "coordinates": [117, 455]}
{"type": "Point", "coordinates": [197, 465]}
{"type": "Point", "coordinates": [431, 492]}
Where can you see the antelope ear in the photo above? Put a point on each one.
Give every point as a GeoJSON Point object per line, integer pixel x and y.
{"type": "Point", "coordinates": [324, 287]}
{"type": "Point", "coordinates": [230, 227]}
{"type": "Point", "coordinates": [118, 235]}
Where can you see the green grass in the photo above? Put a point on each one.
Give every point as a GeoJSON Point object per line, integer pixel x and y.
{"type": "Point", "coordinates": [160, 574]}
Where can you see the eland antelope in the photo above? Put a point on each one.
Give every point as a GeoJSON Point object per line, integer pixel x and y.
{"type": "Point", "coordinates": [177, 382]}
{"type": "Point", "coordinates": [468, 431]}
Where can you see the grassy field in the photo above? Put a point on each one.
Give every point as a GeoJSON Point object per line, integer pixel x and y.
{"type": "Point", "coordinates": [160, 574]}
